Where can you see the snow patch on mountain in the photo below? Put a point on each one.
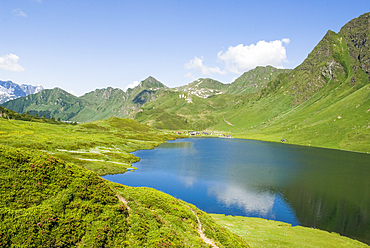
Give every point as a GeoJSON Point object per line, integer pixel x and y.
{"type": "Point", "coordinates": [10, 90]}
{"type": "Point", "coordinates": [196, 89]}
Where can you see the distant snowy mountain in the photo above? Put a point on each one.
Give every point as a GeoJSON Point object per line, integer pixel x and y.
{"type": "Point", "coordinates": [10, 90]}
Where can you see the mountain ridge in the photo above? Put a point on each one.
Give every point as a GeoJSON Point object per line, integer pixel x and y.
{"type": "Point", "coordinates": [10, 90]}
{"type": "Point", "coordinates": [331, 84]}
{"type": "Point", "coordinates": [106, 102]}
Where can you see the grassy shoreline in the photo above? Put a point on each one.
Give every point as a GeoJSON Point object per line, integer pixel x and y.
{"type": "Point", "coordinates": [96, 146]}
{"type": "Point", "coordinates": [260, 232]}
{"type": "Point", "coordinates": [103, 146]}
{"type": "Point", "coordinates": [276, 139]}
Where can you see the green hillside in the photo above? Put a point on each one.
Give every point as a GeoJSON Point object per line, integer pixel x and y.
{"type": "Point", "coordinates": [95, 105]}
{"type": "Point", "coordinates": [104, 103]}
{"type": "Point", "coordinates": [55, 103]}
{"type": "Point", "coordinates": [268, 233]}
{"type": "Point", "coordinates": [252, 81]}
{"type": "Point", "coordinates": [103, 146]}
{"type": "Point", "coordinates": [50, 199]}
{"type": "Point", "coordinates": [323, 102]}
{"type": "Point", "coordinates": [47, 202]}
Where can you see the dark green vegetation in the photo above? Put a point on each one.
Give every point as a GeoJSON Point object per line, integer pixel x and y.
{"type": "Point", "coordinates": [268, 233]}
{"type": "Point", "coordinates": [47, 202]}
{"type": "Point", "coordinates": [55, 103]}
{"type": "Point", "coordinates": [323, 102]}
{"type": "Point", "coordinates": [12, 115]}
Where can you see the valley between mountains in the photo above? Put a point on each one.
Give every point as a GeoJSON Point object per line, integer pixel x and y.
{"type": "Point", "coordinates": [323, 102]}
{"type": "Point", "coordinates": [52, 192]}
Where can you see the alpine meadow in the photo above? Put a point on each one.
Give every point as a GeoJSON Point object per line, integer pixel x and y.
{"type": "Point", "coordinates": [55, 147]}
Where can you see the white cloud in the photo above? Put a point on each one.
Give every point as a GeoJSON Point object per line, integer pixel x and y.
{"type": "Point", "coordinates": [242, 58]}
{"type": "Point", "coordinates": [9, 62]}
{"type": "Point", "coordinates": [19, 12]}
{"type": "Point", "coordinates": [197, 64]}
{"type": "Point", "coordinates": [132, 85]}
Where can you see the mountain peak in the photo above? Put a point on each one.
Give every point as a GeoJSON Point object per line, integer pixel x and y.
{"type": "Point", "coordinates": [356, 34]}
{"type": "Point", "coordinates": [253, 80]}
{"type": "Point", "coordinates": [151, 83]}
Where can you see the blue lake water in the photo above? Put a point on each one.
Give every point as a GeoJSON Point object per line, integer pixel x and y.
{"type": "Point", "coordinates": [322, 188]}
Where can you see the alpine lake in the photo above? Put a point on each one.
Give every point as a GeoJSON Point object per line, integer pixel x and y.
{"type": "Point", "coordinates": [313, 187]}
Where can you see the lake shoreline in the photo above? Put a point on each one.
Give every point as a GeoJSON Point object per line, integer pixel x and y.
{"type": "Point", "coordinates": [273, 141]}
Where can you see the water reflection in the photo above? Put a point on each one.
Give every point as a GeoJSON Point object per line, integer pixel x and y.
{"type": "Point", "coordinates": [260, 204]}
{"type": "Point", "coordinates": [188, 181]}
{"type": "Point", "coordinates": [314, 187]}
{"type": "Point", "coordinates": [176, 145]}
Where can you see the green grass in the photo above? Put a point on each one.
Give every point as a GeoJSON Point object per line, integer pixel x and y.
{"type": "Point", "coordinates": [46, 202]}
{"type": "Point", "coordinates": [268, 233]}
{"type": "Point", "coordinates": [48, 197]}
{"type": "Point", "coordinates": [337, 117]}
{"type": "Point", "coordinates": [165, 221]}
{"type": "Point", "coordinates": [103, 146]}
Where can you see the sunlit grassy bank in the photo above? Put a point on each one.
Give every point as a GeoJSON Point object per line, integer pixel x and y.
{"type": "Point", "coordinates": [46, 202]}
{"type": "Point", "coordinates": [268, 233]}
{"type": "Point", "coordinates": [102, 146]}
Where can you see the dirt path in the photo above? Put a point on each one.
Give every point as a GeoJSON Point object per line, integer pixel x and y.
{"type": "Point", "coordinates": [201, 233]}
{"type": "Point", "coordinates": [123, 200]}
{"type": "Point", "coordinates": [199, 227]}
{"type": "Point", "coordinates": [228, 123]}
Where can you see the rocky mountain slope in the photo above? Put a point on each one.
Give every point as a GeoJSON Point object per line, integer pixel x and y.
{"type": "Point", "coordinates": [10, 90]}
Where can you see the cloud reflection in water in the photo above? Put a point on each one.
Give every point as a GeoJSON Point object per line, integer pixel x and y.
{"type": "Point", "coordinates": [251, 201]}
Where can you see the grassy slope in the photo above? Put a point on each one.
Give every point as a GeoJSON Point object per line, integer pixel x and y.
{"type": "Point", "coordinates": [47, 202]}
{"type": "Point", "coordinates": [314, 122]}
{"type": "Point", "coordinates": [323, 121]}
{"type": "Point", "coordinates": [253, 80]}
{"type": "Point", "coordinates": [95, 105]}
{"type": "Point", "coordinates": [50, 102]}
{"type": "Point", "coordinates": [36, 186]}
{"type": "Point", "coordinates": [268, 233]}
{"type": "Point", "coordinates": [102, 146]}
{"type": "Point", "coordinates": [335, 116]}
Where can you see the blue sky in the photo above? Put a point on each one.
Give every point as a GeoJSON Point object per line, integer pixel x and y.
{"type": "Point", "coordinates": [83, 45]}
